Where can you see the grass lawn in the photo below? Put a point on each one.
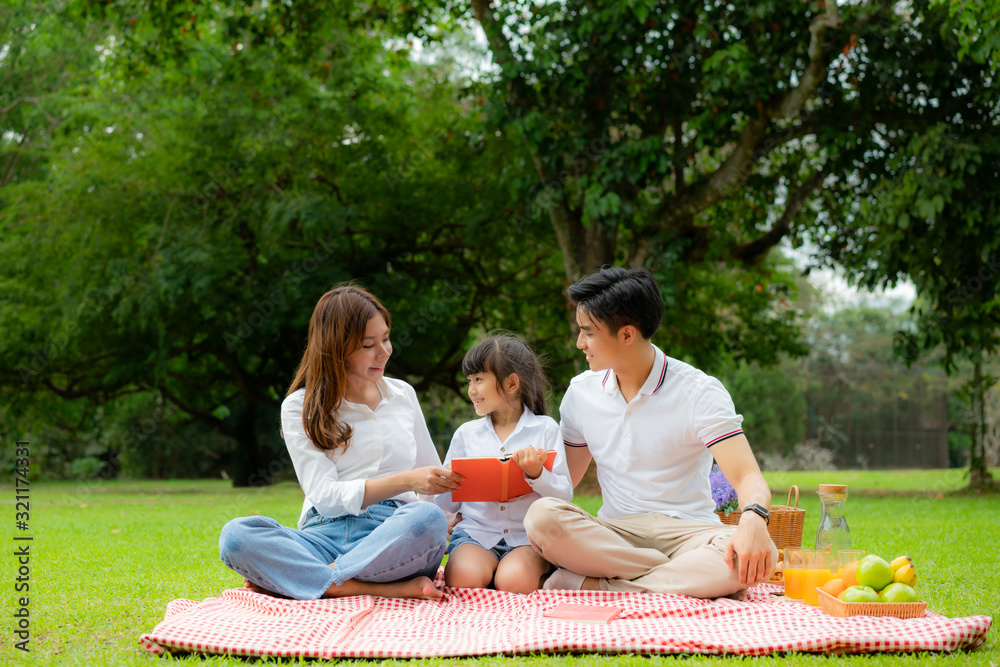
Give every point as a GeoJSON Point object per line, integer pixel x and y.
{"type": "Point", "coordinates": [108, 557]}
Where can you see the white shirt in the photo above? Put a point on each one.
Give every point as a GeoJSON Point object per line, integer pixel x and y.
{"type": "Point", "coordinates": [652, 453]}
{"type": "Point", "coordinates": [488, 523]}
{"type": "Point", "coordinates": [391, 438]}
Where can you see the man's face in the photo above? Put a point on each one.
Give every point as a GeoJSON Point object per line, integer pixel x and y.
{"type": "Point", "coordinates": [600, 345]}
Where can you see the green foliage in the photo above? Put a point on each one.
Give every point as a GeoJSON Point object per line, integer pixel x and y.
{"type": "Point", "coordinates": [772, 405]}
{"type": "Point", "coordinates": [181, 239]}
{"type": "Point", "coordinates": [977, 26]}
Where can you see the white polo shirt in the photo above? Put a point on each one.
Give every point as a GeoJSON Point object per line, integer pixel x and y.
{"type": "Point", "coordinates": [389, 439]}
{"type": "Point", "coordinates": [652, 454]}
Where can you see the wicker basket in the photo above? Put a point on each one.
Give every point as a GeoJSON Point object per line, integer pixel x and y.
{"type": "Point", "coordinates": [841, 609]}
{"type": "Point", "coordinates": [786, 522]}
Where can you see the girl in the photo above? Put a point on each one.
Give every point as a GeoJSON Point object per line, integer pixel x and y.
{"type": "Point", "coordinates": [489, 544]}
{"type": "Point", "coordinates": [361, 452]}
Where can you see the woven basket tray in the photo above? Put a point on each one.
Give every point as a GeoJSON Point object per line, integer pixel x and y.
{"type": "Point", "coordinates": [786, 522]}
{"type": "Point", "coordinates": [841, 609]}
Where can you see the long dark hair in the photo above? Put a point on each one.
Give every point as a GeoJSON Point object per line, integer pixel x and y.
{"type": "Point", "coordinates": [503, 354]}
{"type": "Point", "coordinates": [336, 330]}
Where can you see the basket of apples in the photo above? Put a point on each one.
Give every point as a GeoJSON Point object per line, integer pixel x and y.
{"type": "Point", "coordinates": [873, 587]}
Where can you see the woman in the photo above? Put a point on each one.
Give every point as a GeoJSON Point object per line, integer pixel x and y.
{"type": "Point", "coordinates": [361, 452]}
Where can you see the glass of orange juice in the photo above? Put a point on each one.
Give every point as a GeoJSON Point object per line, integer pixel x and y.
{"type": "Point", "coordinates": [816, 572]}
{"type": "Point", "coordinates": [845, 557]}
{"type": "Point", "coordinates": [794, 573]}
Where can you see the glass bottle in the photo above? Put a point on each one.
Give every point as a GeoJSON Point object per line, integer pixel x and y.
{"type": "Point", "coordinates": [833, 533]}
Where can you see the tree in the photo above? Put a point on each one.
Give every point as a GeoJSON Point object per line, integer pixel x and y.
{"type": "Point", "coordinates": [693, 137]}
{"type": "Point", "coordinates": [180, 253]}
{"type": "Point", "coordinates": [976, 23]}
{"type": "Point", "coordinates": [930, 214]}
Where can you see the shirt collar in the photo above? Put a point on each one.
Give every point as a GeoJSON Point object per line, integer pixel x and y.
{"type": "Point", "coordinates": [527, 420]}
{"type": "Point", "coordinates": [383, 388]}
{"type": "Point", "coordinates": [653, 382]}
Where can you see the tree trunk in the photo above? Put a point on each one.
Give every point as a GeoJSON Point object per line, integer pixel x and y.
{"type": "Point", "coordinates": [249, 466]}
{"type": "Point", "coordinates": [979, 475]}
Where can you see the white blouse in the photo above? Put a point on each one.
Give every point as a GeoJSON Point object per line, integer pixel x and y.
{"type": "Point", "coordinates": [488, 523]}
{"type": "Point", "coordinates": [390, 439]}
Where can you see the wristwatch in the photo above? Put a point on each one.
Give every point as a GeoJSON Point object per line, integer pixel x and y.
{"type": "Point", "coordinates": [761, 510]}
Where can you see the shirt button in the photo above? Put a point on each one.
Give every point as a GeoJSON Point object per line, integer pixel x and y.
{"type": "Point", "coordinates": [502, 508]}
{"type": "Point", "coordinates": [628, 414]}
{"type": "Point", "coordinates": [505, 530]}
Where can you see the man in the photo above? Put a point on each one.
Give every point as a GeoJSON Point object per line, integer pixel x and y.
{"type": "Point", "coordinates": [652, 425]}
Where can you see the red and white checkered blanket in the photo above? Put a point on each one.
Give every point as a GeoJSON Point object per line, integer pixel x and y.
{"type": "Point", "coordinates": [483, 622]}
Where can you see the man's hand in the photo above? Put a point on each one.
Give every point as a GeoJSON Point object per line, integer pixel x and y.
{"type": "Point", "coordinates": [531, 460]}
{"type": "Point", "coordinates": [453, 520]}
{"type": "Point", "coordinates": [752, 549]}
{"type": "Point", "coordinates": [432, 480]}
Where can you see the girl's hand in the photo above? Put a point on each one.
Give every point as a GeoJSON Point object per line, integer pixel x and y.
{"type": "Point", "coordinates": [530, 460]}
{"type": "Point", "coordinates": [432, 480]}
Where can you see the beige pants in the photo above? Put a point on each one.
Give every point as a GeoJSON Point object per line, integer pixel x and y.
{"type": "Point", "coordinates": [651, 553]}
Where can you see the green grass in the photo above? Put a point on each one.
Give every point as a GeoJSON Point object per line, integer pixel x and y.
{"type": "Point", "coordinates": [108, 557]}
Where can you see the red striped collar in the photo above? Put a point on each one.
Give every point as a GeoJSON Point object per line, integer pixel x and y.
{"type": "Point", "coordinates": [657, 375]}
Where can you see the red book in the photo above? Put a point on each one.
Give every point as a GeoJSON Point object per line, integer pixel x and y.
{"type": "Point", "coordinates": [583, 613]}
{"type": "Point", "coordinates": [492, 480]}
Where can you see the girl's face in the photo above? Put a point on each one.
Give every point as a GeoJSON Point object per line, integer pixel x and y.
{"type": "Point", "coordinates": [485, 395]}
{"type": "Point", "coordinates": [367, 363]}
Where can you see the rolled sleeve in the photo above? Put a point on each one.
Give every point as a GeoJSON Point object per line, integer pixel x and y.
{"type": "Point", "coordinates": [715, 415]}
{"type": "Point", "coordinates": [316, 472]}
{"type": "Point", "coordinates": [571, 433]}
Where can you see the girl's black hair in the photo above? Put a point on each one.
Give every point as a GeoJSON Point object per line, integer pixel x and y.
{"type": "Point", "coordinates": [502, 354]}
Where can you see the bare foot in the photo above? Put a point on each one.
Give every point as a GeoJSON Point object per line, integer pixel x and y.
{"type": "Point", "coordinates": [249, 585]}
{"type": "Point", "coordinates": [418, 588]}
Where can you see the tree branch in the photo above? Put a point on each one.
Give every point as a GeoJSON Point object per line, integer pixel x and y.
{"type": "Point", "coordinates": [733, 172]}
{"type": "Point", "coordinates": [790, 103]}
{"type": "Point", "coordinates": [197, 412]}
{"type": "Point", "coordinates": [28, 100]}
{"type": "Point", "coordinates": [503, 54]}
{"type": "Point", "coordinates": [756, 250]}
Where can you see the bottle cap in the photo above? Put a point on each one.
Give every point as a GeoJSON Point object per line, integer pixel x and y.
{"type": "Point", "coordinates": [833, 488]}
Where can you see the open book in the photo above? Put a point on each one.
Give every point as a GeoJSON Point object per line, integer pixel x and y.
{"type": "Point", "coordinates": [583, 613]}
{"type": "Point", "coordinates": [492, 480]}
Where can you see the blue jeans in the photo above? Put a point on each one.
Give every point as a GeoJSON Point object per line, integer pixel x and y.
{"type": "Point", "coordinates": [389, 541]}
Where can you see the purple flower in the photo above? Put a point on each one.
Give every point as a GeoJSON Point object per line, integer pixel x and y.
{"type": "Point", "coordinates": [723, 493]}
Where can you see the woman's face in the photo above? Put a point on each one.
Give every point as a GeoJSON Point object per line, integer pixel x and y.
{"type": "Point", "coordinates": [367, 363]}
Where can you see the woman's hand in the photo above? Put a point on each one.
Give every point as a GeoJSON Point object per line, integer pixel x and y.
{"type": "Point", "coordinates": [432, 480]}
{"type": "Point", "coordinates": [530, 460]}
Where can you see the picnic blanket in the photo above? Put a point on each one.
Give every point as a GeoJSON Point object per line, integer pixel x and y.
{"type": "Point", "coordinates": [473, 622]}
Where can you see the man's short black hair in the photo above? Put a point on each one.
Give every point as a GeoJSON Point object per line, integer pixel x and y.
{"type": "Point", "coordinates": [615, 296]}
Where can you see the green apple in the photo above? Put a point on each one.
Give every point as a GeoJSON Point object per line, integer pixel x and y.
{"type": "Point", "coordinates": [874, 572]}
{"type": "Point", "coordinates": [898, 593]}
{"type": "Point", "coordinates": [859, 594]}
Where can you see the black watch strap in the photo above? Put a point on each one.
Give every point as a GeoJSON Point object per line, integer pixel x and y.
{"type": "Point", "coordinates": [761, 510]}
